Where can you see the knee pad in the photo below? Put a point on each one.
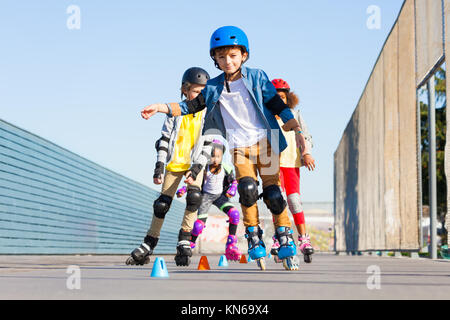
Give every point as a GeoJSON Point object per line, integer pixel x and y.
{"type": "Point", "coordinates": [161, 206]}
{"type": "Point", "coordinates": [248, 191]}
{"type": "Point", "coordinates": [233, 214]}
{"type": "Point", "coordinates": [199, 225]}
{"type": "Point", "coordinates": [294, 203]}
{"type": "Point", "coordinates": [274, 199]}
{"type": "Point", "coordinates": [193, 199]}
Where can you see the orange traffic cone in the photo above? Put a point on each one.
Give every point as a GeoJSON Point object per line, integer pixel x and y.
{"type": "Point", "coordinates": [243, 259]}
{"type": "Point", "coordinates": [203, 264]}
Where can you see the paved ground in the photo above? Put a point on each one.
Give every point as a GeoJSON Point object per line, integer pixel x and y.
{"type": "Point", "coordinates": [328, 277]}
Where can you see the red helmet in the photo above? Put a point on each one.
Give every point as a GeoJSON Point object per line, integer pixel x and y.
{"type": "Point", "coordinates": [280, 84]}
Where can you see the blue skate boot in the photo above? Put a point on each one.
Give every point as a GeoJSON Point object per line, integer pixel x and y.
{"type": "Point", "coordinates": [256, 246]}
{"type": "Point", "coordinates": [287, 251]}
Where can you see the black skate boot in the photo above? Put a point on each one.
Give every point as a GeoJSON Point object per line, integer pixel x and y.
{"type": "Point", "coordinates": [141, 255]}
{"type": "Point", "coordinates": [184, 251]}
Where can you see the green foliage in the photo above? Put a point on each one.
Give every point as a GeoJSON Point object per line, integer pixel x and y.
{"type": "Point", "coordinates": [441, 128]}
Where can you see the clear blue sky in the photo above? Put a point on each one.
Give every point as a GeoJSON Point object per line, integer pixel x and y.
{"type": "Point", "coordinates": [83, 89]}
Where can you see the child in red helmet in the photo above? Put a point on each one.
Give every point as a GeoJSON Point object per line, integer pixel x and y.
{"type": "Point", "coordinates": [291, 159]}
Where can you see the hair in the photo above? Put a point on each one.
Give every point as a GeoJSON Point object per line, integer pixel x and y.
{"type": "Point", "coordinates": [292, 99]}
{"type": "Point", "coordinates": [185, 87]}
{"type": "Point", "coordinates": [217, 146]}
{"type": "Point", "coordinates": [226, 49]}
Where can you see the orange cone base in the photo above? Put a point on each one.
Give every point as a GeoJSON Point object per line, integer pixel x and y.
{"type": "Point", "coordinates": [203, 264]}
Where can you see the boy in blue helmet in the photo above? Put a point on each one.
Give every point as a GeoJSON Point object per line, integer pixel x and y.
{"type": "Point", "coordinates": [241, 103]}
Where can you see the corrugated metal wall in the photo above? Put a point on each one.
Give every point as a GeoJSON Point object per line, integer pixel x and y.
{"type": "Point", "coordinates": [377, 187]}
{"type": "Point", "coordinates": [429, 29]}
{"type": "Point", "coordinates": [53, 201]}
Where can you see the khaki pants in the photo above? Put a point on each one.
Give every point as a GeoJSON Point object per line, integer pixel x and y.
{"type": "Point", "coordinates": [249, 161]}
{"type": "Point", "coordinates": [169, 188]}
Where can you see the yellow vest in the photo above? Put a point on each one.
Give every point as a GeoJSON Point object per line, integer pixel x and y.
{"type": "Point", "coordinates": [188, 134]}
{"type": "Point", "coordinates": [290, 157]}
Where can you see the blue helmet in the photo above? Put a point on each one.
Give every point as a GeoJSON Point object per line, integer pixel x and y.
{"type": "Point", "coordinates": [228, 36]}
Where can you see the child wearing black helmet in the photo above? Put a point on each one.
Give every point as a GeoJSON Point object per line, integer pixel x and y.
{"type": "Point", "coordinates": [176, 147]}
{"type": "Point", "coordinates": [241, 103]}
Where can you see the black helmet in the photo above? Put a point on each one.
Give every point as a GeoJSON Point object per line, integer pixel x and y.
{"type": "Point", "coordinates": [195, 75]}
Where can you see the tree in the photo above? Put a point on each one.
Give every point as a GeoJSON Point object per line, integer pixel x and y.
{"type": "Point", "coordinates": [441, 107]}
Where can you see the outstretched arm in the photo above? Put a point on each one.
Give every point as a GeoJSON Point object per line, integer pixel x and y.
{"type": "Point", "coordinates": [175, 109]}
{"type": "Point", "coordinates": [151, 110]}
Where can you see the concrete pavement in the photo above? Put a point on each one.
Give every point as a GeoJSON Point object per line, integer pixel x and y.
{"type": "Point", "coordinates": [329, 277]}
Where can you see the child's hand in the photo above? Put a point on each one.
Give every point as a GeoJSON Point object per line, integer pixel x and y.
{"type": "Point", "coordinates": [150, 111]}
{"type": "Point", "coordinates": [231, 192]}
{"type": "Point", "coordinates": [189, 179]}
{"type": "Point", "coordinates": [157, 180]}
{"type": "Point", "coordinates": [309, 162]}
{"type": "Point", "coordinates": [181, 191]}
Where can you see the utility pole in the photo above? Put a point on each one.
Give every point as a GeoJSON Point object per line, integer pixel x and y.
{"type": "Point", "coordinates": [432, 165]}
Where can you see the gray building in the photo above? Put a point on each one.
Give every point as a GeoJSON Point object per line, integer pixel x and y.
{"type": "Point", "coordinates": [52, 201]}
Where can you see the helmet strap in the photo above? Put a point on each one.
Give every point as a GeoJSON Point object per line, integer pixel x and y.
{"type": "Point", "coordinates": [227, 76]}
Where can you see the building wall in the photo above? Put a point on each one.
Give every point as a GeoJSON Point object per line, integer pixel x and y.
{"type": "Point", "coordinates": [53, 201]}
{"type": "Point", "coordinates": [377, 166]}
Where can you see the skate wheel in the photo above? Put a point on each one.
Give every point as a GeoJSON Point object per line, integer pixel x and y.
{"type": "Point", "coordinates": [233, 258]}
{"type": "Point", "coordinates": [130, 261]}
{"type": "Point", "coordinates": [291, 263]}
{"type": "Point", "coordinates": [261, 263]}
{"type": "Point", "coordinates": [182, 261]}
{"type": "Point", "coordinates": [145, 261]}
{"type": "Point", "coordinates": [307, 258]}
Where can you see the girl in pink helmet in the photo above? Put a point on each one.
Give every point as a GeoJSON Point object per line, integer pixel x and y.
{"type": "Point", "coordinates": [291, 159]}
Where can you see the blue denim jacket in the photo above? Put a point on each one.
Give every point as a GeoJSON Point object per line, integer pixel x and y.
{"type": "Point", "coordinates": [265, 99]}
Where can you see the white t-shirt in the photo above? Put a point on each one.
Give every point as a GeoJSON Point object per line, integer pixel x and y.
{"type": "Point", "coordinates": [242, 121]}
{"type": "Point", "coordinates": [214, 182]}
